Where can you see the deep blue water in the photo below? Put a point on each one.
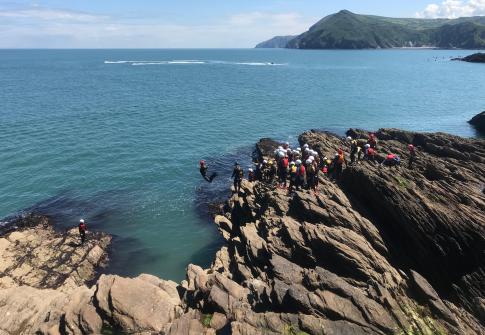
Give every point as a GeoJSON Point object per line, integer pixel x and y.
{"type": "Point", "coordinates": [118, 143]}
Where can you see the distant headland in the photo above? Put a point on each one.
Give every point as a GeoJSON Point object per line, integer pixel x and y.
{"type": "Point", "coordinates": [347, 30]}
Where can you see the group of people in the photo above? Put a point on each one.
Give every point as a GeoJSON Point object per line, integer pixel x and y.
{"type": "Point", "coordinates": [299, 168]}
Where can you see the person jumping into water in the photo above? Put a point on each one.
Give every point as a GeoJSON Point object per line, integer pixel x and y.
{"type": "Point", "coordinates": [203, 171]}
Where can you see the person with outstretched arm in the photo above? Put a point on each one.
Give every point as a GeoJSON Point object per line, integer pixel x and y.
{"type": "Point", "coordinates": [203, 171]}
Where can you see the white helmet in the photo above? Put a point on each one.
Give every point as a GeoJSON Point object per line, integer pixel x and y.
{"type": "Point", "coordinates": [281, 154]}
{"type": "Point", "coordinates": [307, 150]}
{"type": "Point", "coordinates": [280, 148]}
{"type": "Point", "coordinates": [298, 162]}
{"type": "Point", "coordinates": [292, 163]}
{"type": "Point", "coordinates": [298, 149]}
{"type": "Point", "coordinates": [349, 138]}
{"type": "Point", "coordinates": [314, 153]}
{"type": "Point", "coordinates": [287, 143]}
{"type": "Point", "coordinates": [250, 170]}
{"type": "Point", "coordinates": [305, 145]}
{"type": "Point", "coordinates": [312, 158]}
{"type": "Point", "coordinates": [81, 221]}
{"type": "Point", "coordinates": [367, 145]}
{"type": "Point", "coordinates": [308, 161]}
{"type": "Point", "coordinates": [265, 161]}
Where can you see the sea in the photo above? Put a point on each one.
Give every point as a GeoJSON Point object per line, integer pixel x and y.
{"type": "Point", "coordinates": [115, 136]}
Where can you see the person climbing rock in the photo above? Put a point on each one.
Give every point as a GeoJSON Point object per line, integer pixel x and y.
{"type": "Point", "coordinates": [237, 175]}
{"type": "Point", "coordinates": [412, 156]}
{"type": "Point", "coordinates": [391, 160]}
{"type": "Point", "coordinates": [82, 230]}
{"type": "Point", "coordinates": [203, 171]}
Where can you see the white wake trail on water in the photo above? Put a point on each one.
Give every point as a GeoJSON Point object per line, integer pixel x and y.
{"type": "Point", "coordinates": [189, 62]}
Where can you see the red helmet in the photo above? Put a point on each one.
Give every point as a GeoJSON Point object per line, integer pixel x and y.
{"type": "Point", "coordinates": [340, 151]}
{"type": "Point", "coordinates": [411, 147]}
{"type": "Point", "coordinates": [202, 162]}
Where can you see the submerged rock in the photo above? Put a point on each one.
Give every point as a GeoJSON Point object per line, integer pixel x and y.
{"type": "Point", "coordinates": [383, 251]}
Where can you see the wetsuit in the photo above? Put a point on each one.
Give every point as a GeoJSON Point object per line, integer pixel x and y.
{"type": "Point", "coordinates": [301, 176]}
{"type": "Point", "coordinates": [338, 164]}
{"type": "Point", "coordinates": [283, 171]}
{"type": "Point", "coordinates": [82, 232]}
{"type": "Point", "coordinates": [237, 174]}
{"type": "Point", "coordinates": [293, 177]}
{"type": "Point", "coordinates": [412, 158]}
{"type": "Point", "coordinates": [353, 152]}
{"type": "Point", "coordinates": [203, 172]}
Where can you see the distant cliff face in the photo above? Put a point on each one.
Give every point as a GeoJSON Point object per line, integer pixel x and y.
{"type": "Point", "coordinates": [346, 30]}
{"type": "Point", "coordinates": [276, 42]}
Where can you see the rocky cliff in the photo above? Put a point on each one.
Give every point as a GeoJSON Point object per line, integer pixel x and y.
{"type": "Point", "coordinates": [383, 251]}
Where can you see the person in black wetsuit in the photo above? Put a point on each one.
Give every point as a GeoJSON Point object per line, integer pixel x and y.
{"type": "Point", "coordinates": [203, 171]}
{"type": "Point", "coordinates": [82, 230]}
{"type": "Point", "coordinates": [237, 174]}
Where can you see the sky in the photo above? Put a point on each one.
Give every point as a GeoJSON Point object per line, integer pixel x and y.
{"type": "Point", "coordinates": [189, 23]}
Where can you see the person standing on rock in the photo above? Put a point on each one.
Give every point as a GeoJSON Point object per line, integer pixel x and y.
{"type": "Point", "coordinates": [237, 175]}
{"type": "Point", "coordinates": [283, 171]}
{"type": "Point", "coordinates": [354, 148]}
{"type": "Point", "coordinates": [82, 230]}
{"type": "Point", "coordinates": [412, 156]}
{"type": "Point", "coordinates": [338, 164]}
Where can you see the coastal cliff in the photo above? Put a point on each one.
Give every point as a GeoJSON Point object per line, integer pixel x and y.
{"type": "Point", "coordinates": [383, 251]}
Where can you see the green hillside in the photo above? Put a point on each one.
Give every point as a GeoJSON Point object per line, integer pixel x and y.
{"type": "Point", "coordinates": [346, 30]}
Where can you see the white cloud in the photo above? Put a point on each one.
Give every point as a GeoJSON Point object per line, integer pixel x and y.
{"type": "Point", "coordinates": [40, 13]}
{"type": "Point", "coordinates": [53, 28]}
{"type": "Point", "coordinates": [453, 9]}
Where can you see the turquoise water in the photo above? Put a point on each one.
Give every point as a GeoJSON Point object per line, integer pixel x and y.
{"type": "Point", "coordinates": [118, 143]}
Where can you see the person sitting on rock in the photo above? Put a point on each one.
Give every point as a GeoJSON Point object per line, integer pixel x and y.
{"type": "Point", "coordinates": [203, 171]}
{"type": "Point", "coordinates": [412, 156]}
{"type": "Point", "coordinates": [82, 230]}
{"type": "Point", "coordinates": [237, 175]}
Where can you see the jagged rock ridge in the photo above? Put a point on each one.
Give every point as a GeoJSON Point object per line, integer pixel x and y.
{"type": "Point", "coordinates": [385, 251]}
